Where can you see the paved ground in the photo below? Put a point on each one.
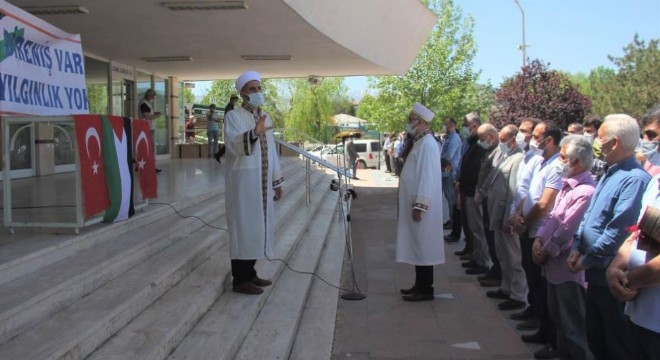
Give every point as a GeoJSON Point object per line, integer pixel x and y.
{"type": "Point", "coordinates": [461, 323]}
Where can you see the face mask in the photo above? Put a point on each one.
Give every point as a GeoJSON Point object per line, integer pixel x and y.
{"type": "Point", "coordinates": [589, 137]}
{"type": "Point", "coordinates": [565, 169]}
{"type": "Point", "coordinates": [520, 141]}
{"type": "Point", "coordinates": [465, 132]}
{"type": "Point", "coordinates": [483, 144]}
{"type": "Point", "coordinates": [534, 148]}
{"type": "Point", "coordinates": [256, 99]}
{"type": "Point", "coordinates": [648, 147]}
{"type": "Point", "coordinates": [602, 148]}
{"type": "Point", "coordinates": [410, 129]}
{"type": "Point", "coordinates": [504, 148]}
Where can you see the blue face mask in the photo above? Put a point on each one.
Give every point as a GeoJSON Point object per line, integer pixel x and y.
{"type": "Point", "coordinates": [648, 147]}
{"type": "Point", "coordinates": [256, 99]}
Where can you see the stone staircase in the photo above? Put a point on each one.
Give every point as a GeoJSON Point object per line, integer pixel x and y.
{"type": "Point", "coordinates": [156, 286]}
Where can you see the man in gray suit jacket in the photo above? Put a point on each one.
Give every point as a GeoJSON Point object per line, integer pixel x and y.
{"type": "Point", "coordinates": [501, 186]}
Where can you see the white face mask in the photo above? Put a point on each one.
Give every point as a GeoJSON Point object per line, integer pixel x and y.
{"type": "Point", "coordinates": [256, 99]}
{"type": "Point", "coordinates": [534, 148]}
{"type": "Point", "coordinates": [410, 129]}
{"type": "Point", "coordinates": [589, 137]}
{"type": "Point", "coordinates": [565, 169]}
{"type": "Point", "coordinates": [520, 141]}
{"type": "Point", "coordinates": [504, 148]}
{"type": "Point", "coordinates": [485, 145]}
{"type": "Point", "coordinates": [465, 132]}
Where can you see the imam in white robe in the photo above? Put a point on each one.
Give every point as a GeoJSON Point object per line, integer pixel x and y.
{"type": "Point", "coordinates": [420, 187]}
{"type": "Point", "coordinates": [251, 227]}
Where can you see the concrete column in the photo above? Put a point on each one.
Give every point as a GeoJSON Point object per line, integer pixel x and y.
{"type": "Point", "coordinates": [174, 111]}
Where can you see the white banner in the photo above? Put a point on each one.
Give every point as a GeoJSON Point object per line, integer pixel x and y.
{"type": "Point", "coordinates": [42, 68]}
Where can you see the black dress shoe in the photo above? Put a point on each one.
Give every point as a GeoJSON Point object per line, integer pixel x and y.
{"type": "Point", "coordinates": [247, 288]}
{"type": "Point", "coordinates": [490, 282]}
{"type": "Point", "coordinates": [476, 270]}
{"type": "Point", "coordinates": [450, 239]}
{"type": "Point", "coordinates": [418, 296]}
{"type": "Point", "coordinates": [448, 225]}
{"type": "Point", "coordinates": [526, 314]}
{"type": "Point", "coordinates": [511, 304]}
{"type": "Point", "coordinates": [261, 282]}
{"type": "Point", "coordinates": [531, 324]}
{"type": "Point", "coordinates": [535, 338]}
{"type": "Point", "coordinates": [408, 291]}
{"type": "Point", "coordinates": [158, 170]}
{"type": "Point", "coordinates": [462, 252]}
{"type": "Point", "coordinates": [469, 264]}
{"type": "Point", "coordinates": [497, 294]}
{"type": "Point", "coordinates": [548, 352]}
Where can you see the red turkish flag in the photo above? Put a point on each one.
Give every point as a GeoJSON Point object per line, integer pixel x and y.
{"type": "Point", "coordinates": [145, 162]}
{"type": "Point", "coordinates": [89, 137]}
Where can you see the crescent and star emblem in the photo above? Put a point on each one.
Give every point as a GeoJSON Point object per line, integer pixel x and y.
{"type": "Point", "coordinates": [141, 137]}
{"type": "Point", "coordinates": [91, 132]}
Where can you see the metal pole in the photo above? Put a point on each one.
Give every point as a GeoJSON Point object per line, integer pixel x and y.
{"type": "Point", "coordinates": [523, 47]}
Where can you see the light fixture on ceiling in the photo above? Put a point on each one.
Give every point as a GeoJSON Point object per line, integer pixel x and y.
{"type": "Point", "coordinates": [167, 58]}
{"type": "Point", "coordinates": [56, 10]}
{"type": "Point", "coordinates": [266, 57]}
{"type": "Point", "coordinates": [205, 5]}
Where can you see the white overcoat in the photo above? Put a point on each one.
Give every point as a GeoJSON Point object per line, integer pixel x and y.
{"type": "Point", "coordinates": [420, 187]}
{"type": "Point", "coordinates": [251, 231]}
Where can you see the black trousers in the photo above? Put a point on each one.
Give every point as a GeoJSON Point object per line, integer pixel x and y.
{"type": "Point", "coordinates": [645, 342]}
{"type": "Point", "coordinates": [496, 270]}
{"type": "Point", "coordinates": [457, 225]}
{"type": "Point", "coordinates": [242, 271]}
{"type": "Point", "coordinates": [388, 166]}
{"type": "Point", "coordinates": [424, 279]}
{"type": "Point", "coordinates": [607, 332]}
{"type": "Point", "coordinates": [537, 296]}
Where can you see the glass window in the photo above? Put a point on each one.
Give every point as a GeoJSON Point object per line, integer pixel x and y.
{"type": "Point", "coordinates": [96, 77]}
{"type": "Point", "coordinates": [162, 124]}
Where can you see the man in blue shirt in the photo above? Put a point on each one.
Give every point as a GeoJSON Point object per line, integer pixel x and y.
{"type": "Point", "coordinates": [451, 149]}
{"type": "Point", "coordinates": [612, 211]}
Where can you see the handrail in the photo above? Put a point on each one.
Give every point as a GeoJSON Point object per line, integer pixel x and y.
{"type": "Point", "coordinates": [309, 156]}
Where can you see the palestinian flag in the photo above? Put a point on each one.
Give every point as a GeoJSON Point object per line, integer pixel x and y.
{"type": "Point", "coordinates": [117, 161]}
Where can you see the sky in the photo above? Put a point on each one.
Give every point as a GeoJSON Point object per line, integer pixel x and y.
{"type": "Point", "coordinates": [572, 35]}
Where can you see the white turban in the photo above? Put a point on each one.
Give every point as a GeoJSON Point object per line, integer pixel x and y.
{"type": "Point", "coordinates": [245, 78]}
{"type": "Point", "coordinates": [424, 113]}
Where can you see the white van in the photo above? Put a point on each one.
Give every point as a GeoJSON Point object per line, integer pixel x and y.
{"type": "Point", "coordinates": [369, 154]}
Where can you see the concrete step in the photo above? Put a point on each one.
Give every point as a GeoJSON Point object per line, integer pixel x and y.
{"type": "Point", "coordinates": [77, 330]}
{"type": "Point", "coordinates": [83, 326]}
{"type": "Point", "coordinates": [33, 297]}
{"type": "Point", "coordinates": [273, 332]}
{"type": "Point", "coordinates": [30, 255]}
{"type": "Point", "coordinates": [155, 333]}
{"type": "Point", "coordinates": [221, 331]}
{"type": "Point", "coordinates": [315, 335]}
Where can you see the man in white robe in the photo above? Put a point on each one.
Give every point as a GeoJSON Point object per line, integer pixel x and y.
{"type": "Point", "coordinates": [419, 228]}
{"type": "Point", "coordinates": [252, 182]}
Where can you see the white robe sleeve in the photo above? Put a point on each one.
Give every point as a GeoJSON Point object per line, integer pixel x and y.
{"type": "Point", "coordinates": [239, 135]}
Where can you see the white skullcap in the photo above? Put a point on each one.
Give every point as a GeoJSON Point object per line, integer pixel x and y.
{"type": "Point", "coordinates": [245, 78]}
{"type": "Point", "coordinates": [423, 112]}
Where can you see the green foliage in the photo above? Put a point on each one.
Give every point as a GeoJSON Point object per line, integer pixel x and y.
{"type": "Point", "coordinates": [188, 96]}
{"type": "Point", "coordinates": [635, 87]}
{"type": "Point", "coordinates": [312, 107]}
{"type": "Point", "coordinates": [441, 78]}
{"type": "Point", "coordinates": [219, 93]}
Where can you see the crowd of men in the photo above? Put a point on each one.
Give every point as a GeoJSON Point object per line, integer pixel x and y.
{"type": "Point", "coordinates": [550, 218]}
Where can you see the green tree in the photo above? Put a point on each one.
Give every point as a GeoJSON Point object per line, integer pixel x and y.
{"type": "Point", "coordinates": [441, 78]}
{"type": "Point", "coordinates": [313, 105]}
{"type": "Point", "coordinates": [188, 96]}
{"type": "Point", "coordinates": [636, 85]}
{"type": "Point", "coordinates": [219, 93]}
